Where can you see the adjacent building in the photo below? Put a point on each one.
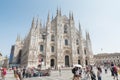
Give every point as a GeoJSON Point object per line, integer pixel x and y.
{"type": "Point", "coordinates": [56, 43]}
{"type": "Point", "coordinates": [11, 63]}
{"type": "Point", "coordinates": [107, 58]}
{"type": "Point", "coordinates": [3, 61]}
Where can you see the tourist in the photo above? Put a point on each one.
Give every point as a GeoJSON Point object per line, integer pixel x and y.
{"type": "Point", "coordinates": [77, 71]}
{"type": "Point", "coordinates": [16, 75]}
{"type": "Point", "coordinates": [3, 73]}
{"type": "Point", "coordinates": [59, 71]}
{"type": "Point", "coordinates": [112, 69]}
{"type": "Point", "coordinates": [105, 69]}
{"type": "Point", "coordinates": [119, 69]}
{"type": "Point", "coordinates": [115, 70]}
{"type": "Point", "coordinates": [23, 73]}
{"type": "Point", "coordinates": [99, 72]}
{"type": "Point", "coordinates": [92, 73]}
{"type": "Point", "coordinates": [20, 74]}
{"type": "Point", "coordinates": [86, 73]}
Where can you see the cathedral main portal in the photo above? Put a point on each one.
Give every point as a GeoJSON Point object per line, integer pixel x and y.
{"type": "Point", "coordinates": [52, 63]}
{"type": "Point", "coordinates": [67, 64]}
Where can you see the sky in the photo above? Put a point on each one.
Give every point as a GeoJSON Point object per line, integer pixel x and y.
{"type": "Point", "coordinates": [101, 18]}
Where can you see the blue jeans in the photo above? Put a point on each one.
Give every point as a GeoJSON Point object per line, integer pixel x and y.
{"type": "Point", "coordinates": [99, 78]}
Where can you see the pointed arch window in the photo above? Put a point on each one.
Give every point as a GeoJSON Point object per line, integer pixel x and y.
{"type": "Point", "coordinates": [78, 51]}
{"type": "Point", "coordinates": [52, 49]}
{"type": "Point", "coordinates": [85, 51]}
{"type": "Point", "coordinates": [41, 48]}
{"type": "Point", "coordinates": [66, 42]}
{"type": "Point", "coordinates": [52, 38]}
{"type": "Point", "coordinates": [77, 42]}
{"type": "Point", "coordinates": [65, 29]}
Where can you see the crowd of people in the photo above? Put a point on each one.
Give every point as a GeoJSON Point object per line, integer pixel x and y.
{"type": "Point", "coordinates": [79, 73]}
{"type": "Point", "coordinates": [88, 72]}
{"type": "Point", "coordinates": [20, 73]}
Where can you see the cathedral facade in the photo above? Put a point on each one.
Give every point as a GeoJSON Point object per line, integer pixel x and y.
{"type": "Point", "coordinates": [57, 43]}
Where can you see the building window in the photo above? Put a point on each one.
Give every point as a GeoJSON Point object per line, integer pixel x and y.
{"type": "Point", "coordinates": [52, 48]}
{"type": "Point", "coordinates": [85, 51]}
{"type": "Point", "coordinates": [66, 42]}
{"type": "Point", "coordinates": [65, 29]}
{"type": "Point", "coordinates": [52, 38]}
{"type": "Point", "coordinates": [78, 51]}
{"type": "Point", "coordinates": [77, 42]}
{"type": "Point", "coordinates": [41, 48]}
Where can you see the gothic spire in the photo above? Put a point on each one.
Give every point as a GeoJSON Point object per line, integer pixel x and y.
{"type": "Point", "coordinates": [80, 30]}
{"type": "Point", "coordinates": [33, 24]}
{"type": "Point", "coordinates": [52, 17]}
{"type": "Point", "coordinates": [58, 12]}
{"type": "Point", "coordinates": [38, 26]}
{"type": "Point", "coordinates": [18, 38]}
{"type": "Point", "coordinates": [72, 16]}
{"type": "Point", "coordinates": [48, 17]}
{"type": "Point", "coordinates": [88, 36]}
{"type": "Point", "coordinates": [37, 23]}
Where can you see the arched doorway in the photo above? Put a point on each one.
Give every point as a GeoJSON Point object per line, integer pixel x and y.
{"type": "Point", "coordinates": [52, 63]}
{"type": "Point", "coordinates": [67, 61]}
{"type": "Point", "coordinates": [86, 62]}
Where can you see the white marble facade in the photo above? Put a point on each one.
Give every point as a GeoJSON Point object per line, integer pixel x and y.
{"type": "Point", "coordinates": [57, 43]}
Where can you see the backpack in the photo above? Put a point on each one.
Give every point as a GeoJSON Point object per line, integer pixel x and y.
{"type": "Point", "coordinates": [4, 72]}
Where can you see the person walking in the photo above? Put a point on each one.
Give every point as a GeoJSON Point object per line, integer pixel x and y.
{"type": "Point", "coordinates": [24, 72]}
{"type": "Point", "coordinates": [59, 71]}
{"type": "Point", "coordinates": [105, 69]}
{"type": "Point", "coordinates": [92, 73]}
{"type": "Point", "coordinates": [3, 73]}
{"type": "Point", "coordinates": [115, 71]}
{"type": "Point", "coordinates": [99, 72]}
{"type": "Point", "coordinates": [20, 74]}
{"type": "Point", "coordinates": [112, 69]}
{"type": "Point", "coordinates": [16, 74]}
{"type": "Point", "coordinates": [87, 74]}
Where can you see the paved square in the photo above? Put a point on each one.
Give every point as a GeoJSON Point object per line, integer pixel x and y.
{"type": "Point", "coordinates": [65, 75]}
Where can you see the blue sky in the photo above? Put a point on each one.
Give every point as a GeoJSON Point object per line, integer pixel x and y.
{"type": "Point", "coordinates": [100, 17]}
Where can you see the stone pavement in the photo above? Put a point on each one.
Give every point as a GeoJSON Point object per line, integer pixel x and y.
{"type": "Point", "coordinates": [9, 76]}
{"type": "Point", "coordinates": [65, 75]}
